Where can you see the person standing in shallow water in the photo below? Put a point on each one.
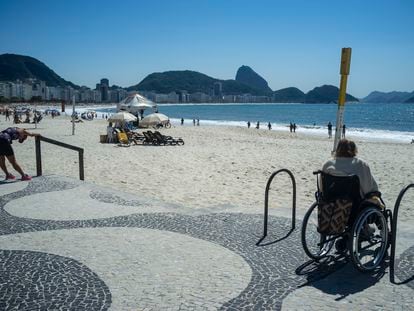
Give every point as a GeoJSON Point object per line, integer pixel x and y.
{"type": "Point", "coordinates": [294, 127]}
{"type": "Point", "coordinates": [269, 126]}
{"type": "Point", "coordinates": [329, 129]}
{"type": "Point", "coordinates": [248, 124]}
{"type": "Point", "coordinates": [182, 121]}
{"type": "Point", "coordinates": [257, 125]}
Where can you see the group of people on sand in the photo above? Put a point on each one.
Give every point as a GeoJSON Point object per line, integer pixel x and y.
{"type": "Point", "coordinates": [17, 117]}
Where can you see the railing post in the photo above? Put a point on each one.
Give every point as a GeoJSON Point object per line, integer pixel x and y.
{"type": "Point", "coordinates": [81, 168]}
{"type": "Point", "coordinates": [394, 230]}
{"type": "Point", "coordinates": [38, 156]}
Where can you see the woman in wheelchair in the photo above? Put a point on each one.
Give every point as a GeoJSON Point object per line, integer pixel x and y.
{"type": "Point", "coordinates": [348, 213]}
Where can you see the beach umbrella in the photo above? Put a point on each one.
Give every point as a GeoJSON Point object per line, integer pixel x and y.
{"type": "Point", "coordinates": [122, 116]}
{"type": "Point", "coordinates": [154, 119]}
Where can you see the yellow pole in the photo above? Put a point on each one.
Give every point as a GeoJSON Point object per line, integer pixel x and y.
{"type": "Point", "coordinates": [345, 67]}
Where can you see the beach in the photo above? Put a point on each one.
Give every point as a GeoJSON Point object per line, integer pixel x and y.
{"type": "Point", "coordinates": [219, 169]}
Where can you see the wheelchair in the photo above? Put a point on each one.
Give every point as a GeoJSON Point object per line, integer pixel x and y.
{"type": "Point", "coordinates": [342, 219]}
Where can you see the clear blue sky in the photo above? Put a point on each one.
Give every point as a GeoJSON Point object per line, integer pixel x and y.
{"type": "Point", "coordinates": [290, 43]}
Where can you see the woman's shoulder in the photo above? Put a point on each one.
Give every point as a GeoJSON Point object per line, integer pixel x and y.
{"type": "Point", "coordinates": [361, 162]}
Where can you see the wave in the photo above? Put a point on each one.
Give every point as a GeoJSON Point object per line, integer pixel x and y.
{"type": "Point", "coordinates": [367, 134]}
{"type": "Point", "coordinates": [360, 133]}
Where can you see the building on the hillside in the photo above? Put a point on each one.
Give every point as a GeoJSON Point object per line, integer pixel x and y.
{"type": "Point", "coordinates": [199, 97]}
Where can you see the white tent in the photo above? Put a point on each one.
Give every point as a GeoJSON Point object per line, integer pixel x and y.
{"type": "Point", "coordinates": [134, 103]}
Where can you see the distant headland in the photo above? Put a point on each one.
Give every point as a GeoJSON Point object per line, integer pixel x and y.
{"type": "Point", "coordinates": [26, 78]}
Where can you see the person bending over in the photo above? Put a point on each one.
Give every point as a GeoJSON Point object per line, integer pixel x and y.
{"type": "Point", "coordinates": [6, 151]}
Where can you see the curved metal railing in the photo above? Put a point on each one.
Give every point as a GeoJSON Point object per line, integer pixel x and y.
{"type": "Point", "coordinates": [266, 206]}
{"type": "Point", "coordinates": [394, 233]}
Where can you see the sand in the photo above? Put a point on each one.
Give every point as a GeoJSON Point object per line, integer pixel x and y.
{"type": "Point", "coordinates": [219, 169]}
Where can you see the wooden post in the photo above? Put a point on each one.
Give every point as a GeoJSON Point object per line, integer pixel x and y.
{"type": "Point", "coordinates": [38, 156]}
{"type": "Point", "coordinates": [345, 68]}
{"type": "Point", "coordinates": [73, 115]}
{"type": "Point", "coordinates": [81, 168]}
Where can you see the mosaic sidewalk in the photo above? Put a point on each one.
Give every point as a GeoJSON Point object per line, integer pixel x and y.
{"type": "Point", "coordinates": [71, 245]}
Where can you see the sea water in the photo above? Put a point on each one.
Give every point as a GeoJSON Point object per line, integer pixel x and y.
{"type": "Point", "coordinates": [386, 122]}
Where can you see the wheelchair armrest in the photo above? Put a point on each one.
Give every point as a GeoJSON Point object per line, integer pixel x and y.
{"type": "Point", "coordinates": [372, 194]}
{"type": "Point", "coordinates": [317, 172]}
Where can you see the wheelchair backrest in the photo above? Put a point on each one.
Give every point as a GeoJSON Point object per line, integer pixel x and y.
{"type": "Point", "coordinates": [340, 187]}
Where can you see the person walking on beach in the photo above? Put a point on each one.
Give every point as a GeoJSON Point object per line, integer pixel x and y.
{"type": "Point", "coordinates": [6, 151]}
{"type": "Point", "coordinates": [7, 115]}
{"type": "Point", "coordinates": [343, 131]}
{"type": "Point", "coordinates": [248, 124]}
{"type": "Point", "coordinates": [291, 127]}
{"type": "Point", "coordinates": [182, 121]}
{"type": "Point", "coordinates": [257, 125]}
{"type": "Point", "coordinates": [329, 129]}
{"type": "Point", "coordinates": [294, 127]}
{"type": "Point", "coordinates": [198, 122]}
{"type": "Point", "coordinates": [269, 126]}
{"type": "Point", "coordinates": [193, 122]}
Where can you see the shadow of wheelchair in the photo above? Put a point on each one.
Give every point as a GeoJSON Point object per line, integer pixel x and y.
{"type": "Point", "coordinates": [337, 276]}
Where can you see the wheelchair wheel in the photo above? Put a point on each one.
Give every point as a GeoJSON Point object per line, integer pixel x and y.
{"type": "Point", "coordinates": [315, 245]}
{"type": "Point", "coordinates": [369, 239]}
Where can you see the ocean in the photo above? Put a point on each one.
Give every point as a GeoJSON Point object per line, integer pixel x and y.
{"type": "Point", "coordinates": [385, 122]}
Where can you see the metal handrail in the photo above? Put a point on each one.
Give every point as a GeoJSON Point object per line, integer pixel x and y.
{"type": "Point", "coordinates": [39, 138]}
{"type": "Point", "coordinates": [266, 206]}
{"type": "Point", "coordinates": [394, 230]}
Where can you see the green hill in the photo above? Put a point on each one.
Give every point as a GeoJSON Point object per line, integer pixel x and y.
{"type": "Point", "coordinates": [19, 67]}
{"type": "Point", "coordinates": [326, 94]}
{"type": "Point", "coordinates": [190, 81]}
{"type": "Point", "coordinates": [289, 95]}
{"type": "Point", "coordinates": [410, 100]}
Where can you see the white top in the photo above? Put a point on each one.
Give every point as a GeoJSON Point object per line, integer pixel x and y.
{"type": "Point", "coordinates": [352, 166]}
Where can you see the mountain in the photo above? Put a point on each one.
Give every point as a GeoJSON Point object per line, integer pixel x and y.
{"type": "Point", "coordinates": [191, 81]}
{"type": "Point", "coordinates": [289, 95]}
{"type": "Point", "coordinates": [19, 67]}
{"type": "Point", "coordinates": [326, 94]}
{"type": "Point", "coordinates": [248, 76]}
{"type": "Point", "coordinates": [410, 100]}
{"type": "Point", "coordinates": [387, 97]}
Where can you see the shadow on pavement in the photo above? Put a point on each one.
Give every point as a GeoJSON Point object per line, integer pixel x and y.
{"type": "Point", "coordinates": [337, 276]}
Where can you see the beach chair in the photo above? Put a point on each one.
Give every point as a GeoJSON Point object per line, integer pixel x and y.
{"type": "Point", "coordinates": [123, 140]}
{"type": "Point", "coordinates": [149, 138]}
{"type": "Point", "coordinates": [136, 138]}
{"type": "Point", "coordinates": [168, 140]}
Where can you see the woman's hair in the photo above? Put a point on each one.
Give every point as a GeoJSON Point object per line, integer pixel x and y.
{"type": "Point", "coordinates": [346, 149]}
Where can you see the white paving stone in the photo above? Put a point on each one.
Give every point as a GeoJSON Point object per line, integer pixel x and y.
{"type": "Point", "coordinates": [10, 187]}
{"type": "Point", "coordinates": [61, 205]}
{"type": "Point", "coordinates": [145, 268]}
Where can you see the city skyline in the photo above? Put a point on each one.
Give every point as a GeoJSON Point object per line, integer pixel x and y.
{"type": "Point", "coordinates": [295, 43]}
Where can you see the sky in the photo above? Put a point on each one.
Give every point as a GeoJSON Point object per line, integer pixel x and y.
{"type": "Point", "coordinates": [289, 43]}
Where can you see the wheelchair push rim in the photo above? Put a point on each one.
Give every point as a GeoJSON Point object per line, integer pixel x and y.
{"type": "Point", "coordinates": [369, 240]}
{"type": "Point", "coordinates": [315, 245]}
